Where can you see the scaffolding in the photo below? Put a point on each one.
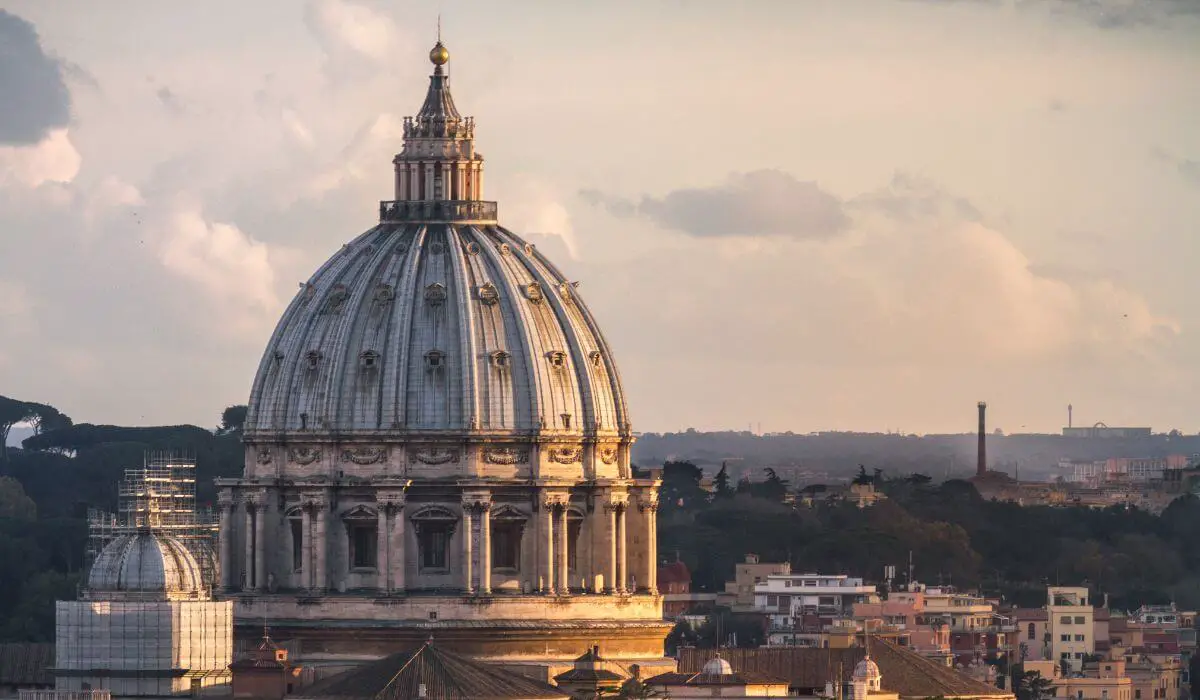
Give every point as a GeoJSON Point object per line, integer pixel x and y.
{"type": "Point", "coordinates": [160, 496]}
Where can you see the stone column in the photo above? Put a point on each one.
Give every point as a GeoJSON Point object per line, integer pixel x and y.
{"type": "Point", "coordinates": [429, 190]}
{"type": "Point", "coordinates": [651, 510]}
{"type": "Point", "coordinates": [260, 546]}
{"type": "Point", "coordinates": [306, 546]}
{"type": "Point", "coordinates": [414, 181]}
{"type": "Point", "coordinates": [548, 544]}
{"type": "Point", "coordinates": [248, 566]}
{"type": "Point", "coordinates": [321, 567]}
{"type": "Point", "coordinates": [396, 557]}
{"type": "Point", "coordinates": [468, 582]}
{"type": "Point", "coordinates": [622, 551]}
{"type": "Point", "coordinates": [226, 545]}
{"type": "Point", "coordinates": [485, 548]}
{"type": "Point", "coordinates": [382, 570]}
{"type": "Point", "coordinates": [564, 555]}
{"type": "Point", "coordinates": [610, 584]}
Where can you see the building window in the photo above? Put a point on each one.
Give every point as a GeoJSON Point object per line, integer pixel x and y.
{"type": "Point", "coordinates": [1064, 637]}
{"type": "Point", "coordinates": [434, 541]}
{"type": "Point", "coordinates": [1079, 655]}
{"type": "Point", "coordinates": [1065, 619]}
{"type": "Point", "coordinates": [363, 542]}
{"type": "Point", "coordinates": [434, 527]}
{"type": "Point", "coordinates": [1032, 632]}
{"type": "Point", "coordinates": [1137, 694]}
{"type": "Point", "coordinates": [1079, 619]}
{"type": "Point", "coordinates": [506, 542]}
{"type": "Point", "coordinates": [297, 544]}
{"type": "Point", "coordinates": [1079, 637]}
{"type": "Point", "coordinates": [1103, 694]}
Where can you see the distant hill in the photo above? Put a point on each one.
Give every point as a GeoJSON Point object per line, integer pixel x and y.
{"type": "Point", "coordinates": [837, 455]}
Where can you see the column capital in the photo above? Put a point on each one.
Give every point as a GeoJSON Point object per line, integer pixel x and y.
{"type": "Point", "coordinates": [651, 507]}
{"type": "Point", "coordinates": [477, 501]}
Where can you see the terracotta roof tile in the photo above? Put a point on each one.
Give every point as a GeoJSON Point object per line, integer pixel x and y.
{"type": "Point", "coordinates": [904, 672]}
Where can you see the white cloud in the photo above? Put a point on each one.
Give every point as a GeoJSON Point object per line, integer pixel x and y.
{"type": "Point", "coordinates": [531, 206]}
{"type": "Point", "coordinates": [232, 269]}
{"type": "Point", "coordinates": [53, 159]}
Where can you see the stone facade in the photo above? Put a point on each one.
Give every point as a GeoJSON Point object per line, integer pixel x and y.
{"type": "Point", "coordinates": [437, 442]}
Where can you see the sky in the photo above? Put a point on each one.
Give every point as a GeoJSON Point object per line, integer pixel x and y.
{"type": "Point", "coordinates": [797, 215]}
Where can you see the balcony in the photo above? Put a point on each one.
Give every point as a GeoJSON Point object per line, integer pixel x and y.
{"type": "Point", "coordinates": [437, 211]}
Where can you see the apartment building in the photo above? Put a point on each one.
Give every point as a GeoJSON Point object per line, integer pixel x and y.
{"type": "Point", "coordinates": [1071, 625]}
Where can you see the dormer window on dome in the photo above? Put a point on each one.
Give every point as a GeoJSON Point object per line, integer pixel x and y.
{"type": "Point", "coordinates": [435, 359]}
{"type": "Point", "coordinates": [312, 360]}
{"type": "Point", "coordinates": [435, 294]}
{"type": "Point", "coordinates": [488, 294]}
{"type": "Point", "coordinates": [369, 359]}
{"type": "Point", "coordinates": [501, 359]}
{"type": "Point", "coordinates": [557, 359]}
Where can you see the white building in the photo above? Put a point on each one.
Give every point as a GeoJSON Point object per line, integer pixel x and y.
{"type": "Point", "coordinates": [788, 599]}
{"type": "Point", "coordinates": [1071, 625]}
{"type": "Point", "coordinates": [145, 627]}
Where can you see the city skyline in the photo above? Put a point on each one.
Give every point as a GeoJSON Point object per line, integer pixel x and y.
{"type": "Point", "coordinates": [819, 216]}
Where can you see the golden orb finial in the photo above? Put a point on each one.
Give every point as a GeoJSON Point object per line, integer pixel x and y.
{"type": "Point", "coordinates": [438, 55]}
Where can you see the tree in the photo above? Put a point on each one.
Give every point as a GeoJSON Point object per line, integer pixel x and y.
{"type": "Point", "coordinates": [14, 503]}
{"type": "Point", "coordinates": [774, 488]}
{"type": "Point", "coordinates": [1193, 669]}
{"type": "Point", "coordinates": [233, 419]}
{"type": "Point", "coordinates": [721, 487]}
{"type": "Point", "coordinates": [863, 478]}
{"type": "Point", "coordinates": [1031, 686]}
{"type": "Point", "coordinates": [681, 486]}
{"type": "Point", "coordinates": [12, 412]}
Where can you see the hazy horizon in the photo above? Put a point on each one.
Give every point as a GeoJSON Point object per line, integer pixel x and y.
{"type": "Point", "coordinates": [861, 216]}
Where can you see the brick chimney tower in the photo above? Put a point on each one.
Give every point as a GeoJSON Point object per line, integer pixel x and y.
{"type": "Point", "coordinates": [981, 464]}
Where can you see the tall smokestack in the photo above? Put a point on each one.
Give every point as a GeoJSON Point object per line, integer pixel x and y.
{"type": "Point", "coordinates": [1070, 417]}
{"type": "Point", "coordinates": [981, 465]}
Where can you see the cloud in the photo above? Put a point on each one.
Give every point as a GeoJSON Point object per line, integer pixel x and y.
{"type": "Point", "coordinates": [532, 207]}
{"type": "Point", "coordinates": [760, 203]}
{"type": "Point", "coordinates": [53, 159]}
{"type": "Point", "coordinates": [1106, 14]}
{"type": "Point", "coordinates": [169, 99]}
{"type": "Point", "coordinates": [915, 278]}
{"type": "Point", "coordinates": [35, 100]}
{"type": "Point", "coordinates": [356, 39]}
{"type": "Point", "coordinates": [1187, 168]}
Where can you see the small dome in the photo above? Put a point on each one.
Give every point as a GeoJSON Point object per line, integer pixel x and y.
{"type": "Point", "coordinates": [866, 670]}
{"type": "Point", "coordinates": [439, 54]}
{"type": "Point", "coordinates": [145, 563]}
{"type": "Point", "coordinates": [717, 666]}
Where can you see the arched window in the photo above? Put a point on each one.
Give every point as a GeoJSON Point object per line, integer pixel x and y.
{"type": "Point", "coordinates": [296, 528]}
{"type": "Point", "coordinates": [508, 528]}
{"type": "Point", "coordinates": [574, 527]}
{"type": "Point", "coordinates": [1032, 631]}
{"type": "Point", "coordinates": [434, 527]}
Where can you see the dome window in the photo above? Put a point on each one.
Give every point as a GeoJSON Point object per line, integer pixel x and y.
{"type": "Point", "coordinates": [312, 360]}
{"type": "Point", "coordinates": [504, 249]}
{"type": "Point", "coordinates": [337, 299]}
{"type": "Point", "coordinates": [501, 359]}
{"type": "Point", "coordinates": [533, 292]}
{"type": "Point", "coordinates": [278, 355]}
{"type": "Point", "coordinates": [488, 294]}
{"type": "Point", "coordinates": [435, 359]}
{"type": "Point", "coordinates": [558, 359]}
{"type": "Point", "coordinates": [369, 359]}
{"type": "Point", "coordinates": [435, 294]}
{"type": "Point", "coordinates": [596, 358]}
{"type": "Point", "coordinates": [384, 293]}
{"type": "Point", "coordinates": [566, 421]}
{"type": "Point", "coordinates": [473, 248]}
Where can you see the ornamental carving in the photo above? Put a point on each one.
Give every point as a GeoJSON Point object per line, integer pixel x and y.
{"type": "Point", "coordinates": [488, 294]}
{"type": "Point", "coordinates": [566, 455]}
{"type": "Point", "coordinates": [529, 249]}
{"type": "Point", "coordinates": [436, 455]}
{"type": "Point", "coordinates": [435, 294]}
{"type": "Point", "coordinates": [384, 293]}
{"type": "Point", "coordinates": [533, 292]}
{"type": "Point", "coordinates": [504, 249]}
{"type": "Point", "coordinates": [608, 455]}
{"type": "Point", "coordinates": [472, 248]}
{"type": "Point", "coordinates": [264, 457]}
{"type": "Point", "coordinates": [305, 455]}
{"type": "Point", "coordinates": [597, 358]}
{"type": "Point", "coordinates": [364, 455]}
{"type": "Point", "coordinates": [337, 299]}
{"type": "Point", "coordinates": [505, 455]}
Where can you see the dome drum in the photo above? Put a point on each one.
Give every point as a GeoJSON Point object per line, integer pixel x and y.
{"type": "Point", "coordinates": [439, 211]}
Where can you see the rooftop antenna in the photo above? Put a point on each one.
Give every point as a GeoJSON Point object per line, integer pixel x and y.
{"type": "Point", "coordinates": [439, 27]}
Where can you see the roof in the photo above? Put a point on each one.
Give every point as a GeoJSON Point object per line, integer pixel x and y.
{"type": "Point", "coordinates": [747, 678]}
{"type": "Point", "coordinates": [145, 562]}
{"type": "Point", "coordinates": [1030, 614]}
{"type": "Point", "coordinates": [26, 664]}
{"type": "Point", "coordinates": [675, 572]}
{"type": "Point", "coordinates": [906, 673]}
{"type": "Point", "coordinates": [443, 674]}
